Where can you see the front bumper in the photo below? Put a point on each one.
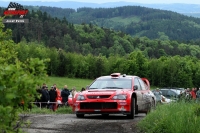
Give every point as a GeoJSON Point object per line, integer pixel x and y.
{"type": "Point", "coordinates": [102, 107]}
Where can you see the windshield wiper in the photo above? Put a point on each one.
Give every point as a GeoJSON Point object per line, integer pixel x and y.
{"type": "Point", "coordinates": [112, 88]}
{"type": "Point", "coordinates": [93, 88]}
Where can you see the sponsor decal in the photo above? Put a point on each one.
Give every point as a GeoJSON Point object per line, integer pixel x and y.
{"type": "Point", "coordinates": [15, 9]}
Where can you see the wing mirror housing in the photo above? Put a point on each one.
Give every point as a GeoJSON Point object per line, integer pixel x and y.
{"type": "Point", "coordinates": [135, 87]}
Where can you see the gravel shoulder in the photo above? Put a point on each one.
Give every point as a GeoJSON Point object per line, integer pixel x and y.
{"type": "Point", "coordinates": [69, 123]}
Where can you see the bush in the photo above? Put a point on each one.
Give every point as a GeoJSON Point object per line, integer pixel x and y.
{"type": "Point", "coordinates": [18, 81]}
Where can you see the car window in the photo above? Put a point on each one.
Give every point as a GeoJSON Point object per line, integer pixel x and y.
{"type": "Point", "coordinates": [171, 93]}
{"type": "Point", "coordinates": [120, 83]}
{"type": "Point", "coordinates": [143, 87]}
{"type": "Point", "coordinates": [136, 82]}
{"type": "Point", "coordinates": [164, 92]}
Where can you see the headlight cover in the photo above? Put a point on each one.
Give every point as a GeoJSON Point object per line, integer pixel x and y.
{"type": "Point", "coordinates": [80, 98]}
{"type": "Point", "coordinates": [119, 97]}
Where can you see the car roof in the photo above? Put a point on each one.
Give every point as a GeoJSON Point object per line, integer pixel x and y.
{"type": "Point", "coordinates": [174, 90]}
{"type": "Point", "coordinates": [121, 76]}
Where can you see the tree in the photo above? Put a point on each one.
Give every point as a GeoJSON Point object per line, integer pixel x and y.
{"type": "Point", "coordinates": [18, 81]}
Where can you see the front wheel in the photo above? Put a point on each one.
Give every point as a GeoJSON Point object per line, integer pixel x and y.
{"type": "Point", "coordinates": [80, 115]}
{"type": "Point", "coordinates": [132, 115]}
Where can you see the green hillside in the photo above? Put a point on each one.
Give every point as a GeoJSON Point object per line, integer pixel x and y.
{"type": "Point", "coordinates": [85, 39]}
{"type": "Point", "coordinates": [133, 20]}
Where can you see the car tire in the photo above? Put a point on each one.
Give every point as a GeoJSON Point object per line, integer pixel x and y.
{"type": "Point", "coordinates": [80, 115]}
{"type": "Point", "coordinates": [132, 115]}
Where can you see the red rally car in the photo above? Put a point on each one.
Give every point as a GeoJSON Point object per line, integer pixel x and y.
{"type": "Point", "coordinates": [115, 94]}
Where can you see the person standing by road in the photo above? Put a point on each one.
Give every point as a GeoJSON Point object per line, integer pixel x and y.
{"type": "Point", "coordinates": [83, 89]}
{"type": "Point", "coordinates": [45, 96]}
{"type": "Point", "coordinates": [73, 97]}
{"type": "Point", "coordinates": [193, 94]}
{"type": "Point", "coordinates": [64, 94]}
{"type": "Point", "coordinates": [74, 92]}
{"type": "Point", "coordinates": [53, 95]}
{"type": "Point", "coordinates": [198, 95]}
{"type": "Point", "coordinates": [158, 95]}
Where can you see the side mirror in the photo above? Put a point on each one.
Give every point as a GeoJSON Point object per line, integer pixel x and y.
{"type": "Point", "coordinates": [135, 87]}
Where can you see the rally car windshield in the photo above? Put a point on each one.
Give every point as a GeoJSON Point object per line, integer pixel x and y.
{"type": "Point", "coordinates": [111, 84]}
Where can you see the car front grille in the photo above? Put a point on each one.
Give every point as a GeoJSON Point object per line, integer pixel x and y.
{"type": "Point", "coordinates": [97, 96]}
{"type": "Point", "coordinates": [99, 105]}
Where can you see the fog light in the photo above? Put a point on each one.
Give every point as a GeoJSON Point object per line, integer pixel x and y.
{"type": "Point", "coordinates": [76, 109]}
{"type": "Point", "coordinates": [122, 108]}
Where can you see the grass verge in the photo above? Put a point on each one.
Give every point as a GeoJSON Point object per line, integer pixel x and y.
{"type": "Point", "coordinates": [178, 117]}
{"type": "Point", "coordinates": [70, 82]}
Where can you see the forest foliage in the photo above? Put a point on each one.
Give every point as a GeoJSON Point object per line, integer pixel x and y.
{"type": "Point", "coordinates": [134, 20]}
{"type": "Point", "coordinates": [88, 38]}
{"type": "Point", "coordinates": [89, 51]}
{"type": "Point", "coordinates": [166, 71]}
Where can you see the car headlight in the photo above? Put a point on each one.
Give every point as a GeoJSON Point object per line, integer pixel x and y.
{"type": "Point", "coordinates": [80, 98]}
{"type": "Point", "coordinates": [120, 97]}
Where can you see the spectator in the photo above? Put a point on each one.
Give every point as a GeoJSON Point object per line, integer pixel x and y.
{"type": "Point", "coordinates": [73, 97]}
{"type": "Point", "coordinates": [87, 87]}
{"type": "Point", "coordinates": [58, 98]}
{"type": "Point", "coordinates": [64, 94]}
{"type": "Point", "coordinates": [83, 89]}
{"type": "Point", "coordinates": [198, 95]}
{"type": "Point", "coordinates": [44, 97]}
{"type": "Point", "coordinates": [74, 92]}
{"type": "Point", "coordinates": [158, 94]}
{"type": "Point", "coordinates": [181, 96]}
{"type": "Point", "coordinates": [193, 94]}
{"type": "Point", "coordinates": [53, 95]}
{"type": "Point", "coordinates": [47, 96]}
{"type": "Point", "coordinates": [188, 95]}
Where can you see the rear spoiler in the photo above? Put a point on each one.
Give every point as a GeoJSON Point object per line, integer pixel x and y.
{"type": "Point", "coordinates": [146, 81]}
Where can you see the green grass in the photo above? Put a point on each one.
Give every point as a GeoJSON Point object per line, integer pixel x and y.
{"type": "Point", "coordinates": [179, 117]}
{"type": "Point", "coordinates": [70, 82]}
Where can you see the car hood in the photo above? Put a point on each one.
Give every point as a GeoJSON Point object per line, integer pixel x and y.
{"type": "Point", "coordinates": [104, 92]}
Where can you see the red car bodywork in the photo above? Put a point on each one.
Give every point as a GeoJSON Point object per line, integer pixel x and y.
{"type": "Point", "coordinates": [127, 95]}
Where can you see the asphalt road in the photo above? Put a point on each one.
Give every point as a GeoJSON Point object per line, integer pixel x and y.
{"type": "Point", "coordinates": [69, 123]}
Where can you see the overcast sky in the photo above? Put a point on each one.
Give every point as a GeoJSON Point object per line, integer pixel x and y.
{"type": "Point", "coordinates": [137, 1]}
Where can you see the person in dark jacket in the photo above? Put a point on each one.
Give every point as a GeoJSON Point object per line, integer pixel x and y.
{"type": "Point", "coordinates": [64, 94]}
{"type": "Point", "coordinates": [52, 95]}
{"type": "Point", "coordinates": [83, 89]}
{"type": "Point", "coordinates": [45, 96]}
